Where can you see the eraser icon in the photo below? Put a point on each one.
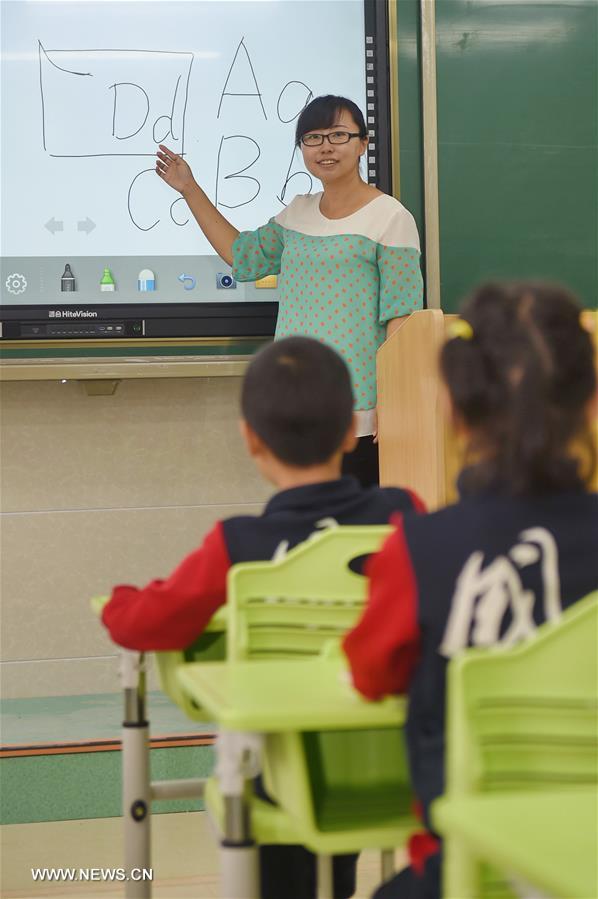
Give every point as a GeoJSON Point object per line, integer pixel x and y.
{"type": "Point", "coordinates": [146, 280]}
{"type": "Point", "coordinates": [107, 282]}
{"type": "Point", "coordinates": [67, 282]}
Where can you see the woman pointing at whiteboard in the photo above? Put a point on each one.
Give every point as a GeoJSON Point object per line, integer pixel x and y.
{"type": "Point", "coordinates": [348, 257]}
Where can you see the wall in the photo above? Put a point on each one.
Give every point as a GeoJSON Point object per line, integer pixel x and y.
{"type": "Point", "coordinates": [517, 86]}
{"type": "Point", "coordinates": [98, 490]}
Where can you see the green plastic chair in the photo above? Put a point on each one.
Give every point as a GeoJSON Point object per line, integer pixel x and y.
{"type": "Point", "coordinates": [522, 723]}
{"type": "Point", "coordinates": [293, 606]}
{"type": "Point", "coordinates": [309, 607]}
{"type": "Point", "coordinates": [339, 791]}
{"type": "Point", "coordinates": [336, 791]}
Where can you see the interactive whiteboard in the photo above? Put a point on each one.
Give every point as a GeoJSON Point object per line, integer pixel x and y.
{"type": "Point", "coordinates": [90, 87]}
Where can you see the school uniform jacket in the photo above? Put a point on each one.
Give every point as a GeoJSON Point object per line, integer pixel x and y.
{"type": "Point", "coordinates": [171, 613]}
{"type": "Point", "coordinates": [487, 570]}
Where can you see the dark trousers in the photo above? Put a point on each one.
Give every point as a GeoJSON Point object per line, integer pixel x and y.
{"type": "Point", "coordinates": [289, 872]}
{"type": "Point", "coordinates": [362, 463]}
{"type": "Point", "coordinates": [408, 884]}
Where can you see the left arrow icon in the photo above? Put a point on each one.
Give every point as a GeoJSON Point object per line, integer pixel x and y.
{"type": "Point", "coordinates": [54, 226]}
{"type": "Point", "coordinates": [188, 281]}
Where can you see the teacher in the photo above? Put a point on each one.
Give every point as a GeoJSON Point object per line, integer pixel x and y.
{"type": "Point", "coordinates": [348, 256]}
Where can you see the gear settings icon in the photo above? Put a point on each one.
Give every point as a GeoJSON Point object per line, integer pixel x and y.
{"type": "Point", "coordinates": [16, 283]}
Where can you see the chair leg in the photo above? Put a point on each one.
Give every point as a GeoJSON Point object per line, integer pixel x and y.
{"type": "Point", "coordinates": [325, 877]}
{"type": "Point", "coordinates": [136, 802]}
{"type": "Point", "coordinates": [238, 759]}
{"type": "Point", "coordinates": [387, 863]}
{"type": "Point", "coordinates": [239, 859]}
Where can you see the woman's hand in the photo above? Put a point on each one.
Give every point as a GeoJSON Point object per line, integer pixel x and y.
{"type": "Point", "coordinates": [375, 434]}
{"type": "Point", "coordinates": [174, 170]}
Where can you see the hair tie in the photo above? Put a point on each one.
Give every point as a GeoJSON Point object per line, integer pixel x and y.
{"type": "Point", "coordinates": [588, 319]}
{"type": "Point", "coordinates": [460, 328]}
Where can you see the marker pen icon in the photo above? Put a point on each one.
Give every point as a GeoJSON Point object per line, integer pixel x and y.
{"type": "Point", "coordinates": [67, 282]}
{"type": "Point", "coordinates": [107, 282]}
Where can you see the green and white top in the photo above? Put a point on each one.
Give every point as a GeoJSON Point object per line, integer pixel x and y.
{"type": "Point", "coordinates": [340, 281]}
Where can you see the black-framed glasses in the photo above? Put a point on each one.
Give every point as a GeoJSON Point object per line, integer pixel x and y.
{"type": "Point", "coordinates": [336, 137]}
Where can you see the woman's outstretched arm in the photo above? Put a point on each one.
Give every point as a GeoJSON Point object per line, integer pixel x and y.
{"type": "Point", "coordinates": [176, 172]}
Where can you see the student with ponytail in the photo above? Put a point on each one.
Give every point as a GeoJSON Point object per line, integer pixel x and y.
{"type": "Point", "coordinates": [520, 376]}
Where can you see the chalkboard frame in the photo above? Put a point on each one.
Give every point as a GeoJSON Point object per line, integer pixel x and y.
{"type": "Point", "coordinates": [116, 321]}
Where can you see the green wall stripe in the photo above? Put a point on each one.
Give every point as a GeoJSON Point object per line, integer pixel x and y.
{"type": "Point", "coordinates": [87, 785]}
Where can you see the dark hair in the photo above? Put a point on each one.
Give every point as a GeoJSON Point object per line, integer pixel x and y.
{"type": "Point", "coordinates": [322, 112]}
{"type": "Point", "coordinates": [297, 397]}
{"type": "Point", "coordinates": [521, 382]}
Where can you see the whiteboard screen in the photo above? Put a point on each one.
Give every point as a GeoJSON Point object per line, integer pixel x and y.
{"type": "Point", "coordinates": [90, 88]}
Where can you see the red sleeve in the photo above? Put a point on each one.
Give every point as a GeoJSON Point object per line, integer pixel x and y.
{"type": "Point", "coordinates": [170, 614]}
{"type": "Point", "coordinates": [383, 648]}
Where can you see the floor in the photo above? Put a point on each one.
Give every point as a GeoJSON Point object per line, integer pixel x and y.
{"type": "Point", "coordinates": [184, 856]}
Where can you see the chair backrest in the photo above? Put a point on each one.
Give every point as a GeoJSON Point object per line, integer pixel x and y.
{"type": "Point", "coordinates": [527, 717]}
{"type": "Point", "coordinates": [291, 607]}
{"type": "Point", "coordinates": [318, 597]}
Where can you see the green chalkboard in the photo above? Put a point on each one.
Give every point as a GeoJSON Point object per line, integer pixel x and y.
{"type": "Point", "coordinates": [517, 87]}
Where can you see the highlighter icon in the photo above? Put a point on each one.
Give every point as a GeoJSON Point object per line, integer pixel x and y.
{"type": "Point", "coordinates": [146, 280]}
{"type": "Point", "coordinates": [107, 282]}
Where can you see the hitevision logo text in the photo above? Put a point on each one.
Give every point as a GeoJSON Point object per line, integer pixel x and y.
{"type": "Point", "coordinates": [68, 313]}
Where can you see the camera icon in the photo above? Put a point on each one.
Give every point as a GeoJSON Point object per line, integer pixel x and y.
{"type": "Point", "coordinates": [225, 281]}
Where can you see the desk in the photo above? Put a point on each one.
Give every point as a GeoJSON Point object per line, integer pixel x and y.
{"type": "Point", "coordinates": [248, 699]}
{"type": "Point", "coordinates": [280, 696]}
{"type": "Point", "coordinates": [528, 835]}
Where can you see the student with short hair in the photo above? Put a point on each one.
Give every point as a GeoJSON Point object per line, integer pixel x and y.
{"type": "Point", "coordinates": [517, 548]}
{"type": "Point", "coordinates": [297, 421]}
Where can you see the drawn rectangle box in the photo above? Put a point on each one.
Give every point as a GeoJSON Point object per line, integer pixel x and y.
{"type": "Point", "coordinates": [113, 102]}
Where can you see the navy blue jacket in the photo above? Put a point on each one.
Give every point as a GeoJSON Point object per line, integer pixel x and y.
{"type": "Point", "coordinates": [484, 571]}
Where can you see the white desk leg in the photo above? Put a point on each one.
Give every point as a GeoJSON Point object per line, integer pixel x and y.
{"type": "Point", "coordinates": [135, 778]}
{"type": "Point", "coordinates": [238, 759]}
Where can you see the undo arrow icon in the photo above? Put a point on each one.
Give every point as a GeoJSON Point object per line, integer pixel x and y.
{"type": "Point", "coordinates": [188, 281]}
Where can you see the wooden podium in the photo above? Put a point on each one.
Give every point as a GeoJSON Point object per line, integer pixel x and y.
{"type": "Point", "coordinates": [417, 448]}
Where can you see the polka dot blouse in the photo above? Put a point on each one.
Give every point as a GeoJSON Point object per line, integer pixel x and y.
{"type": "Point", "coordinates": [340, 280]}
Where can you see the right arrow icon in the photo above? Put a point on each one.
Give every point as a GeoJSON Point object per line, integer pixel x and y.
{"type": "Point", "coordinates": [86, 226]}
